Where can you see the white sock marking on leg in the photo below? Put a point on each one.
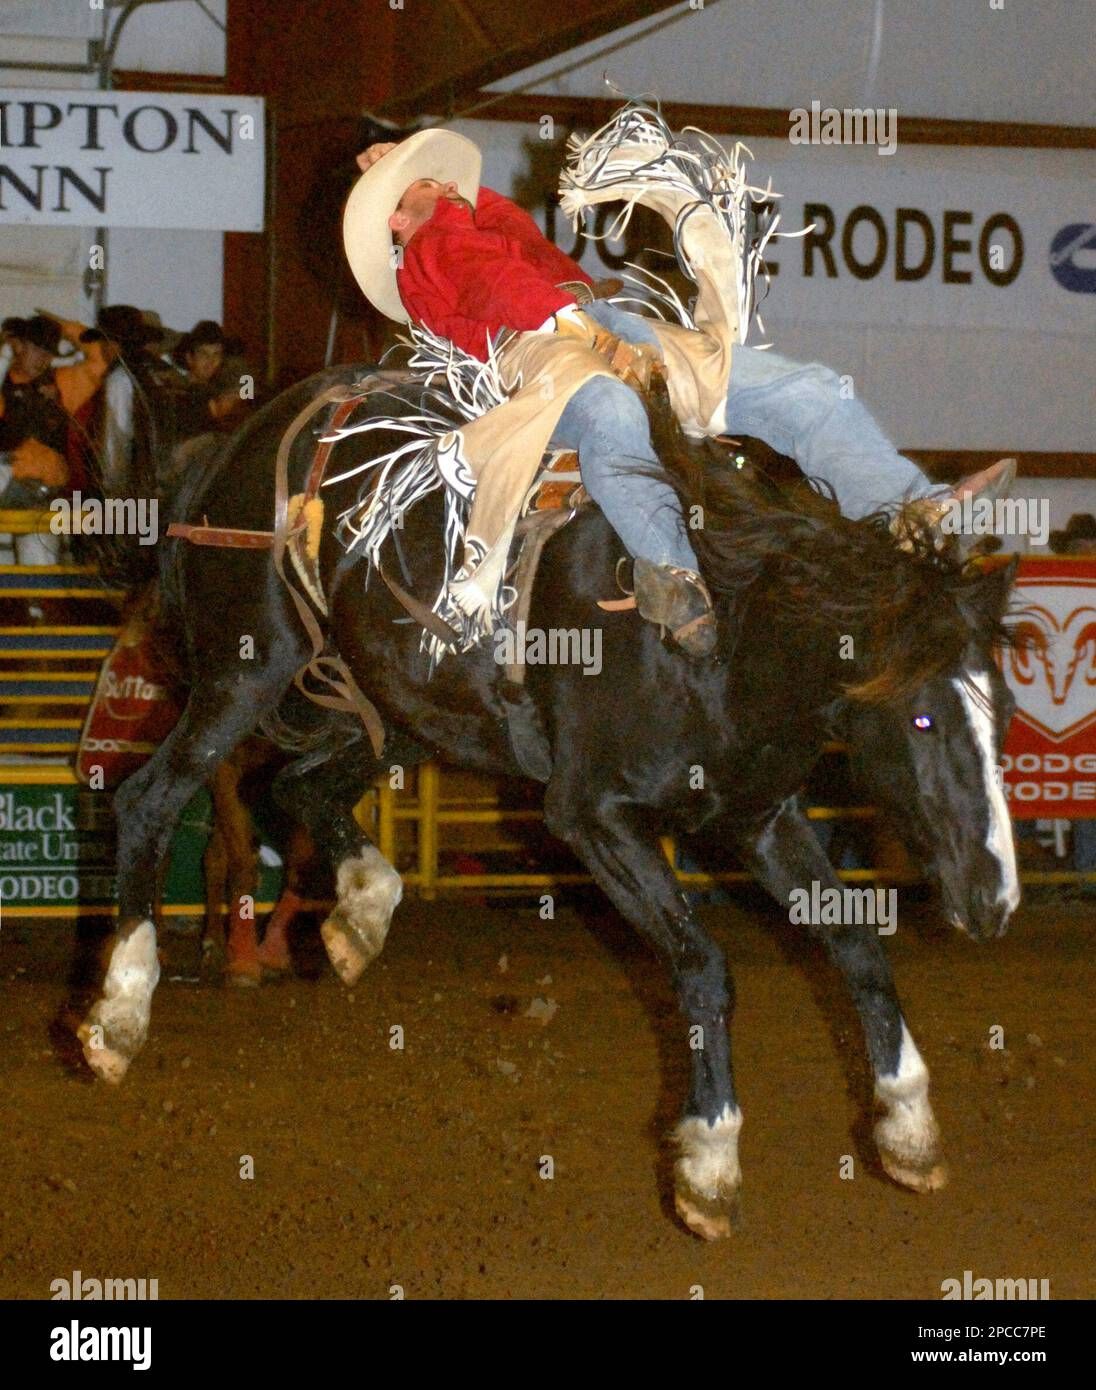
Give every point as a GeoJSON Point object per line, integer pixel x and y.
{"type": "Point", "coordinates": [708, 1160]}
{"type": "Point", "coordinates": [909, 1128]}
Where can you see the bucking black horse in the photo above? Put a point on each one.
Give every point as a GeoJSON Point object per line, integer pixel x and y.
{"type": "Point", "coordinates": [828, 628]}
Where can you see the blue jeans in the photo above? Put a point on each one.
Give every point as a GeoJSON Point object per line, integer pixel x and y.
{"type": "Point", "coordinates": [796, 409]}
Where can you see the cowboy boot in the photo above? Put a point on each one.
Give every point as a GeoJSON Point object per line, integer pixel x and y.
{"type": "Point", "coordinates": [678, 600]}
{"type": "Point", "coordinates": [989, 484]}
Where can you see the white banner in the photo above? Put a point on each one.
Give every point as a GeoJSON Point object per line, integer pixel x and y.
{"type": "Point", "coordinates": [916, 239]}
{"type": "Point", "coordinates": [131, 159]}
{"type": "Point", "coordinates": [902, 246]}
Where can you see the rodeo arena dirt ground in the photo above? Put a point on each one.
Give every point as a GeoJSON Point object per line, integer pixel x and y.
{"type": "Point", "coordinates": [422, 1168]}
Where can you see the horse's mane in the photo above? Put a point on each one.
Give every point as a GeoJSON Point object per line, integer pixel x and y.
{"type": "Point", "coordinates": [789, 552]}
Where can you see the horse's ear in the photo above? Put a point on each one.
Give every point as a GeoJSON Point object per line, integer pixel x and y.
{"type": "Point", "coordinates": [986, 599]}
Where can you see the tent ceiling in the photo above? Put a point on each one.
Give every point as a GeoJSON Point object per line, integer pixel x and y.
{"type": "Point", "coordinates": [932, 58]}
{"type": "Point", "coordinates": [448, 50]}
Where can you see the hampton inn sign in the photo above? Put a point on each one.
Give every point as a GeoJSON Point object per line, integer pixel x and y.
{"type": "Point", "coordinates": [131, 159]}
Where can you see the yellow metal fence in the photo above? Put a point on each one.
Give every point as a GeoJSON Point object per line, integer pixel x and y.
{"type": "Point", "coordinates": [413, 827]}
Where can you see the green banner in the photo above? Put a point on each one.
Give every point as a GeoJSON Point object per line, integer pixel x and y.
{"type": "Point", "coordinates": [57, 851]}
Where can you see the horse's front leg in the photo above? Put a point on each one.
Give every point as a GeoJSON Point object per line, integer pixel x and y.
{"type": "Point", "coordinates": [786, 856]}
{"type": "Point", "coordinates": [633, 872]}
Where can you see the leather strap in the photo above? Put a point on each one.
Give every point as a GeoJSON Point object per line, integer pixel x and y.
{"type": "Point", "coordinates": [230, 537]}
{"type": "Point", "coordinates": [537, 529]}
{"type": "Point", "coordinates": [425, 617]}
{"type": "Point", "coordinates": [346, 695]}
{"type": "Point", "coordinates": [362, 388]}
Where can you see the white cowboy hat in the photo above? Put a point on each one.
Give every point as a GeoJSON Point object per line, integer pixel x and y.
{"type": "Point", "coordinates": [367, 238]}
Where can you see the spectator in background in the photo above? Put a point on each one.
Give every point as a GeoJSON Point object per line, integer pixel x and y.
{"type": "Point", "coordinates": [1079, 537]}
{"type": "Point", "coordinates": [38, 400]}
{"type": "Point", "coordinates": [210, 402]}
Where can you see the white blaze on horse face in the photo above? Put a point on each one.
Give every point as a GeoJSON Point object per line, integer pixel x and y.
{"type": "Point", "coordinates": [999, 841]}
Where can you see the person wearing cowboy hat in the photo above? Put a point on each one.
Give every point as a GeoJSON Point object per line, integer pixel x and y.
{"type": "Point", "coordinates": [207, 404]}
{"type": "Point", "coordinates": [426, 243]}
{"type": "Point", "coordinates": [38, 405]}
{"type": "Point", "coordinates": [1078, 538]}
{"type": "Point", "coordinates": [125, 329]}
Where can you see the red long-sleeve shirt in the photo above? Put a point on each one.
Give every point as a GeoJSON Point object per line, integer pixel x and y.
{"type": "Point", "coordinates": [467, 275]}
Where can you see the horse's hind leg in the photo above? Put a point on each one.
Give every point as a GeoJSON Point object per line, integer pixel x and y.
{"type": "Point", "coordinates": [274, 956]}
{"type": "Point", "coordinates": [147, 808]}
{"type": "Point", "coordinates": [786, 856]}
{"type": "Point", "coordinates": [629, 866]}
{"type": "Point", "coordinates": [323, 795]}
{"type": "Point", "coordinates": [241, 875]}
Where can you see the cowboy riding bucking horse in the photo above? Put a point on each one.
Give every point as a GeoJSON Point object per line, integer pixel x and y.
{"type": "Point", "coordinates": [429, 246]}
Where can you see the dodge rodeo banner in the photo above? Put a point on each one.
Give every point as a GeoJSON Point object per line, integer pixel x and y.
{"type": "Point", "coordinates": [1050, 755]}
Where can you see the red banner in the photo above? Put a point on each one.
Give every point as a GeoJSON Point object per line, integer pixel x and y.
{"type": "Point", "coordinates": [1050, 754]}
{"type": "Point", "coordinates": [131, 712]}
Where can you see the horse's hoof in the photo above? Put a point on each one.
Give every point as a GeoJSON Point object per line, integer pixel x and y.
{"type": "Point", "coordinates": [908, 1143]}
{"type": "Point", "coordinates": [108, 1063]}
{"type": "Point", "coordinates": [707, 1217]}
{"type": "Point", "coordinates": [275, 961]}
{"type": "Point", "coordinates": [343, 949]}
{"type": "Point", "coordinates": [930, 1177]}
{"type": "Point", "coordinates": [116, 1026]}
{"type": "Point", "coordinates": [367, 891]}
{"type": "Point", "coordinates": [244, 976]}
{"type": "Point", "coordinates": [707, 1177]}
